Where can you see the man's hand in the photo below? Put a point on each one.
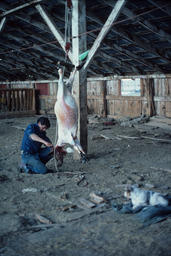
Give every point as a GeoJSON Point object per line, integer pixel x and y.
{"type": "Point", "coordinates": [48, 144]}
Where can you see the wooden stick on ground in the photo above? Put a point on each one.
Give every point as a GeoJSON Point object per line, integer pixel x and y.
{"type": "Point", "coordinates": [161, 169]}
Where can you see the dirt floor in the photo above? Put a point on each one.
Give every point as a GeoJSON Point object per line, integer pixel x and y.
{"type": "Point", "coordinates": [48, 215]}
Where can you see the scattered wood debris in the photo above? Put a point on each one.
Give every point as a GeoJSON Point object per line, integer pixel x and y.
{"type": "Point", "coordinates": [25, 190]}
{"type": "Point", "coordinates": [81, 180]}
{"type": "Point", "coordinates": [161, 169]}
{"type": "Point", "coordinates": [129, 137]}
{"type": "Point", "coordinates": [96, 198]}
{"type": "Point", "coordinates": [68, 207]}
{"type": "Point", "coordinates": [64, 196]}
{"type": "Point", "coordinates": [43, 219]}
{"type": "Point", "coordinates": [97, 137]}
{"type": "Point", "coordinates": [109, 123]}
{"type": "Point", "coordinates": [83, 203]}
{"type": "Point", "coordinates": [130, 122]}
{"type": "Point", "coordinates": [156, 139]}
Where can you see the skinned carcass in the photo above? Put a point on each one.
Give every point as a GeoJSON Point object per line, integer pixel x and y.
{"type": "Point", "coordinates": [66, 112]}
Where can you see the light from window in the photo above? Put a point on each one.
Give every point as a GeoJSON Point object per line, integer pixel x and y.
{"type": "Point", "coordinates": [130, 87]}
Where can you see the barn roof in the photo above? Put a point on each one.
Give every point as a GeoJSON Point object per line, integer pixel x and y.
{"type": "Point", "coordinates": [139, 41]}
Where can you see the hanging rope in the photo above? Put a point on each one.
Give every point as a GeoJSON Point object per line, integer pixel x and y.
{"type": "Point", "coordinates": [68, 26]}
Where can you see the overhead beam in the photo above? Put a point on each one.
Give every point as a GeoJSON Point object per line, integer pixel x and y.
{"type": "Point", "coordinates": [53, 29]}
{"type": "Point", "coordinates": [19, 8]}
{"type": "Point", "coordinates": [118, 61]}
{"type": "Point", "coordinates": [148, 25]}
{"type": "Point", "coordinates": [137, 58]}
{"type": "Point", "coordinates": [133, 38]}
{"type": "Point", "coordinates": [108, 24]}
{"type": "Point", "coordinates": [2, 23]}
{"type": "Point", "coordinates": [131, 55]}
{"type": "Point", "coordinates": [166, 9]}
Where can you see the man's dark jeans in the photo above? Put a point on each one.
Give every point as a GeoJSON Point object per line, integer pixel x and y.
{"type": "Point", "coordinates": [36, 162]}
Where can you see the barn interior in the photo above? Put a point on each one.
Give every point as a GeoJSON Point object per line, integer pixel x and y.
{"type": "Point", "coordinates": [122, 50]}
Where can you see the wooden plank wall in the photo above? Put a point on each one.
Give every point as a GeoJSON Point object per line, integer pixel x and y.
{"type": "Point", "coordinates": [162, 97]}
{"type": "Point", "coordinates": [17, 102]}
{"type": "Point", "coordinates": [47, 97]}
{"type": "Point", "coordinates": [154, 99]}
{"type": "Point", "coordinates": [103, 97]}
{"type": "Point", "coordinates": [44, 97]}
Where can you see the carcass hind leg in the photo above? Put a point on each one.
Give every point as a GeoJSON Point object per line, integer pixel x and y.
{"type": "Point", "coordinates": [78, 147]}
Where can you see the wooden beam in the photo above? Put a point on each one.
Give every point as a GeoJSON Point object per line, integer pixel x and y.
{"type": "Point", "coordinates": [79, 45]}
{"type": "Point", "coordinates": [114, 77]}
{"type": "Point", "coordinates": [33, 23]}
{"type": "Point", "coordinates": [137, 58]}
{"type": "Point", "coordinates": [166, 9]}
{"type": "Point", "coordinates": [114, 59]}
{"type": "Point", "coordinates": [19, 8]}
{"type": "Point", "coordinates": [149, 90]}
{"type": "Point", "coordinates": [53, 29]}
{"type": "Point", "coordinates": [148, 25]}
{"type": "Point", "coordinates": [133, 37]}
{"type": "Point", "coordinates": [2, 23]}
{"type": "Point", "coordinates": [108, 24]}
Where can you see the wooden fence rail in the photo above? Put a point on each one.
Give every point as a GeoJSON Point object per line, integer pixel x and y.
{"type": "Point", "coordinates": [17, 102]}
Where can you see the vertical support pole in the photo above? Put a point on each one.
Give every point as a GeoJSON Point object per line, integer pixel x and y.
{"type": "Point", "coordinates": [33, 102]}
{"type": "Point", "coordinates": [119, 87]}
{"type": "Point", "coordinates": [79, 45]}
{"type": "Point", "coordinates": [142, 95]}
{"type": "Point", "coordinates": [150, 96]}
{"type": "Point", "coordinates": [141, 87]}
{"type": "Point", "coordinates": [104, 101]}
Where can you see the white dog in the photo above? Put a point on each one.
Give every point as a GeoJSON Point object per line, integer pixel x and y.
{"type": "Point", "coordinates": [141, 197]}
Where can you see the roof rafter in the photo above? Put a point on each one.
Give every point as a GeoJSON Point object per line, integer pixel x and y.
{"type": "Point", "coordinates": [108, 24]}
{"type": "Point", "coordinates": [53, 29]}
{"type": "Point", "coordinates": [2, 23]}
{"type": "Point", "coordinates": [149, 26]}
{"type": "Point", "coordinates": [5, 13]}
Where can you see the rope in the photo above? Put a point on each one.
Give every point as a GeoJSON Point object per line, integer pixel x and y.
{"type": "Point", "coordinates": [68, 28]}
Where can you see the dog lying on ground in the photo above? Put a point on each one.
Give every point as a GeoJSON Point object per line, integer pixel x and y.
{"type": "Point", "coordinates": [141, 197]}
{"type": "Point", "coordinates": [148, 207]}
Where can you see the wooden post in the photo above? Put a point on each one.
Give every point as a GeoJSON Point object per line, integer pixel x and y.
{"type": "Point", "coordinates": [2, 23]}
{"type": "Point", "coordinates": [79, 45]}
{"type": "Point", "coordinates": [22, 100]}
{"type": "Point", "coordinates": [119, 87]}
{"type": "Point", "coordinates": [104, 101]}
{"type": "Point", "coordinates": [141, 87]}
{"type": "Point", "coordinates": [167, 92]}
{"type": "Point", "coordinates": [17, 100]}
{"type": "Point", "coordinates": [150, 96]}
{"type": "Point", "coordinates": [33, 100]}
